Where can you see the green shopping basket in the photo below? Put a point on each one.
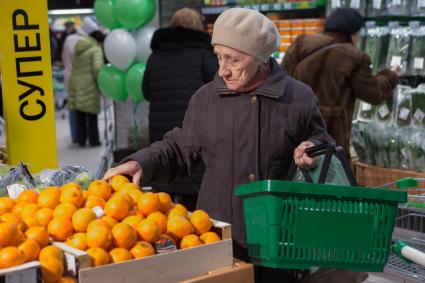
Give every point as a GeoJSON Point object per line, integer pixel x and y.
{"type": "Point", "coordinates": [302, 225]}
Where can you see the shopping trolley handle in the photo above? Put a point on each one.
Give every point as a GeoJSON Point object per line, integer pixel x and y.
{"type": "Point", "coordinates": [404, 183]}
{"type": "Point", "coordinates": [408, 253]}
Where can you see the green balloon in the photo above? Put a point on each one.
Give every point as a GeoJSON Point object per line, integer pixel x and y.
{"type": "Point", "coordinates": [133, 82]}
{"type": "Point", "coordinates": [134, 13]}
{"type": "Point", "coordinates": [111, 83]}
{"type": "Point", "coordinates": [105, 14]}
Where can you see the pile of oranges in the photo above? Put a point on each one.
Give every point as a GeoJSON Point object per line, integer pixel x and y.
{"type": "Point", "coordinates": [112, 222]}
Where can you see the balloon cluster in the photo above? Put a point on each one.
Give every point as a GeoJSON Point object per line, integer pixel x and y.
{"type": "Point", "coordinates": [127, 46]}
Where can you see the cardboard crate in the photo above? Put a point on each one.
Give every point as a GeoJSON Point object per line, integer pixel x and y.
{"type": "Point", "coordinates": [240, 272]}
{"type": "Point", "coordinates": [29, 272]}
{"type": "Point", "coordinates": [161, 268]}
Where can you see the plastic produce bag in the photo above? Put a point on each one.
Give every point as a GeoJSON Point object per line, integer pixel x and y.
{"type": "Point", "coordinates": [64, 175]}
{"type": "Point", "coordinates": [417, 52]}
{"type": "Point", "coordinates": [384, 112]}
{"type": "Point", "coordinates": [357, 140]}
{"type": "Point", "coordinates": [366, 111]}
{"type": "Point", "coordinates": [17, 180]}
{"type": "Point", "coordinates": [418, 107]}
{"type": "Point", "coordinates": [375, 46]}
{"type": "Point", "coordinates": [398, 48]}
{"type": "Point", "coordinates": [418, 7]}
{"type": "Point", "coordinates": [398, 7]}
{"type": "Point", "coordinates": [416, 148]}
{"type": "Point", "coordinates": [403, 112]}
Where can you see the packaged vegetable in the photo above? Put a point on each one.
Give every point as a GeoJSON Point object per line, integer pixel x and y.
{"type": "Point", "coordinates": [398, 48]}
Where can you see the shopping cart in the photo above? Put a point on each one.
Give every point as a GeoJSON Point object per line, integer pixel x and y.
{"type": "Point", "coordinates": [300, 225]}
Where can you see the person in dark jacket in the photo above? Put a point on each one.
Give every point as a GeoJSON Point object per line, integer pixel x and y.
{"type": "Point", "coordinates": [182, 61]}
{"type": "Point", "coordinates": [338, 72]}
{"type": "Point", "coordinates": [248, 124]}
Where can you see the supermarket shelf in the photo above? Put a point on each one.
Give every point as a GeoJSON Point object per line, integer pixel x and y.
{"type": "Point", "coordinates": [276, 7]}
{"type": "Point", "coordinates": [389, 18]}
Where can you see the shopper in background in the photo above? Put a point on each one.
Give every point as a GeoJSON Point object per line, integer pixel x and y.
{"type": "Point", "coordinates": [69, 29]}
{"type": "Point", "coordinates": [84, 94]}
{"type": "Point", "coordinates": [182, 61]}
{"type": "Point", "coordinates": [338, 72]}
{"type": "Point", "coordinates": [68, 53]}
{"type": "Point", "coordinates": [248, 124]}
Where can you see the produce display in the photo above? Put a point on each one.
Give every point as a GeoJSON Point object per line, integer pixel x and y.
{"type": "Point", "coordinates": [398, 141]}
{"type": "Point", "coordinates": [111, 222]}
{"type": "Point", "coordinates": [375, 45]}
{"type": "Point", "coordinates": [417, 53]}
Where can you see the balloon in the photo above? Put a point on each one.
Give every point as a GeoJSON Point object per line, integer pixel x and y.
{"type": "Point", "coordinates": [135, 13]}
{"type": "Point", "coordinates": [120, 48]}
{"type": "Point", "coordinates": [111, 83]}
{"type": "Point", "coordinates": [133, 82]}
{"type": "Point", "coordinates": [143, 42]}
{"type": "Point", "coordinates": [104, 11]}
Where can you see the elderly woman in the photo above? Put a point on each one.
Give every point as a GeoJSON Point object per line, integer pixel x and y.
{"type": "Point", "coordinates": [248, 124]}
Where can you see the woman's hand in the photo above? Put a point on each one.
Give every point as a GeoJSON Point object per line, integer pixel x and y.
{"type": "Point", "coordinates": [302, 160]}
{"type": "Point", "coordinates": [131, 168]}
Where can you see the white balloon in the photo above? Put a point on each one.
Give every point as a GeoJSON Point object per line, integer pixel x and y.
{"type": "Point", "coordinates": [120, 48]}
{"type": "Point", "coordinates": [143, 41]}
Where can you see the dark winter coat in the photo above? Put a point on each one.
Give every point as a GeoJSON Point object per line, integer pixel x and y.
{"type": "Point", "coordinates": [240, 137]}
{"type": "Point", "coordinates": [338, 74]}
{"type": "Point", "coordinates": [182, 61]}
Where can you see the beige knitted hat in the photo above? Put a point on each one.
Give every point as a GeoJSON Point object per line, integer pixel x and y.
{"type": "Point", "coordinates": [248, 31]}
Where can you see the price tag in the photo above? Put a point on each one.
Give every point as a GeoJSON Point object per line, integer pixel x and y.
{"type": "Point", "coordinates": [355, 4]}
{"type": "Point", "coordinates": [419, 115]}
{"type": "Point", "coordinates": [23, 276]}
{"type": "Point", "coordinates": [421, 3]}
{"type": "Point", "coordinates": [366, 106]}
{"type": "Point", "coordinates": [71, 264]}
{"type": "Point", "coordinates": [383, 111]}
{"type": "Point", "coordinates": [277, 7]}
{"type": "Point", "coordinates": [377, 4]}
{"type": "Point", "coordinates": [418, 63]}
{"type": "Point", "coordinates": [404, 113]}
{"type": "Point", "coordinates": [98, 211]}
{"type": "Point", "coordinates": [15, 190]}
{"type": "Point", "coordinates": [264, 7]}
{"type": "Point", "coordinates": [395, 61]}
{"type": "Point", "coordinates": [335, 4]}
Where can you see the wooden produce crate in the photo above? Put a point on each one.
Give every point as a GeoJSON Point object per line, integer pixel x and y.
{"type": "Point", "coordinates": [74, 259]}
{"type": "Point", "coordinates": [162, 268]}
{"type": "Point", "coordinates": [240, 272]}
{"type": "Point", "coordinates": [373, 176]}
{"type": "Point", "coordinates": [29, 272]}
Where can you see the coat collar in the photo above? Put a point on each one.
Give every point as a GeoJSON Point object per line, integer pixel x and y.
{"type": "Point", "coordinates": [272, 87]}
{"type": "Point", "coordinates": [178, 36]}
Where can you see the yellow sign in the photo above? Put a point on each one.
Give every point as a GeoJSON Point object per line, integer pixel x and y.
{"type": "Point", "coordinates": [27, 83]}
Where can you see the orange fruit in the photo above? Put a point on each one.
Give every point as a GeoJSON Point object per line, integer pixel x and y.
{"type": "Point", "coordinates": [8, 232]}
{"type": "Point", "coordinates": [49, 197]}
{"type": "Point", "coordinates": [51, 269]}
{"type": "Point", "coordinates": [64, 210]}
{"type": "Point", "coordinates": [38, 234]}
{"type": "Point", "coordinates": [17, 209]}
{"type": "Point", "coordinates": [6, 204]}
{"type": "Point", "coordinates": [28, 196]}
{"type": "Point", "coordinates": [51, 252]}
{"type": "Point", "coordinates": [117, 207]}
{"type": "Point", "coordinates": [118, 181]}
{"type": "Point", "coordinates": [29, 210]}
{"type": "Point", "coordinates": [85, 194]}
{"type": "Point", "coordinates": [159, 218]}
{"type": "Point", "coordinates": [60, 228]}
{"type": "Point", "coordinates": [100, 188]}
{"type": "Point", "coordinates": [20, 238]}
{"type": "Point", "coordinates": [72, 194]}
{"type": "Point", "coordinates": [31, 249]}
{"type": "Point", "coordinates": [112, 221]}
{"type": "Point", "coordinates": [176, 212]}
{"type": "Point", "coordinates": [124, 236]}
{"type": "Point", "coordinates": [82, 218]}
{"type": "Point", "coordinates": [128, 198]}
{"type": "Point", "coordinates": [120, 255]}
{"type": "Point", "coordinates": [189, 241]}
{"type": "Point", "coordinates": [12, 218]}
{"type": "Point", "coordinates": [31, 221]}
{"type": "Point", "coordinates": [93, 201]}
{"type": "Point", "coordinates": [201, 221]}
{"type": "Point", "coordinates": [133, 220]}
{"type": "Point", "coordinates": [142, 249]}
{"type": "Point", "coordinates": [128, 187]}
{"type": "Point", "coordinates": [98, 256]}
{"type": "Point", "coordinates": [135, 195]}
{"type": "Point", "coordinates": [100, 222]}
{"type": "Point", "coordinates": [44, 216]}
{"type": "Point", "coordinates": [148, 203]}
{"type": "Point", "coordinates": [77, 241]}
{"type": "Point", "coordinates": [67, 279]}
{"type": "Point", "coordinates": [99, 237]}
{"type": "Point", "coordinates": [181, 207]}
{"type": "Point", "coordinates": [165, 202]}
{"type": "Point", "coordinates": [178, 227]}
{"type": "Point", "coordinates": [71, 185]}
{"type": "Point", "coordinates": [11, 256]}
{"type": "Point", "coordinates": [210, 237]}
{"type": "Point", "coordinates": [148, 230]}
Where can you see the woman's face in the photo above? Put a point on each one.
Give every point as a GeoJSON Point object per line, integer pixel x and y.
{"type": "Point", "coordinates": [236, 68]}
